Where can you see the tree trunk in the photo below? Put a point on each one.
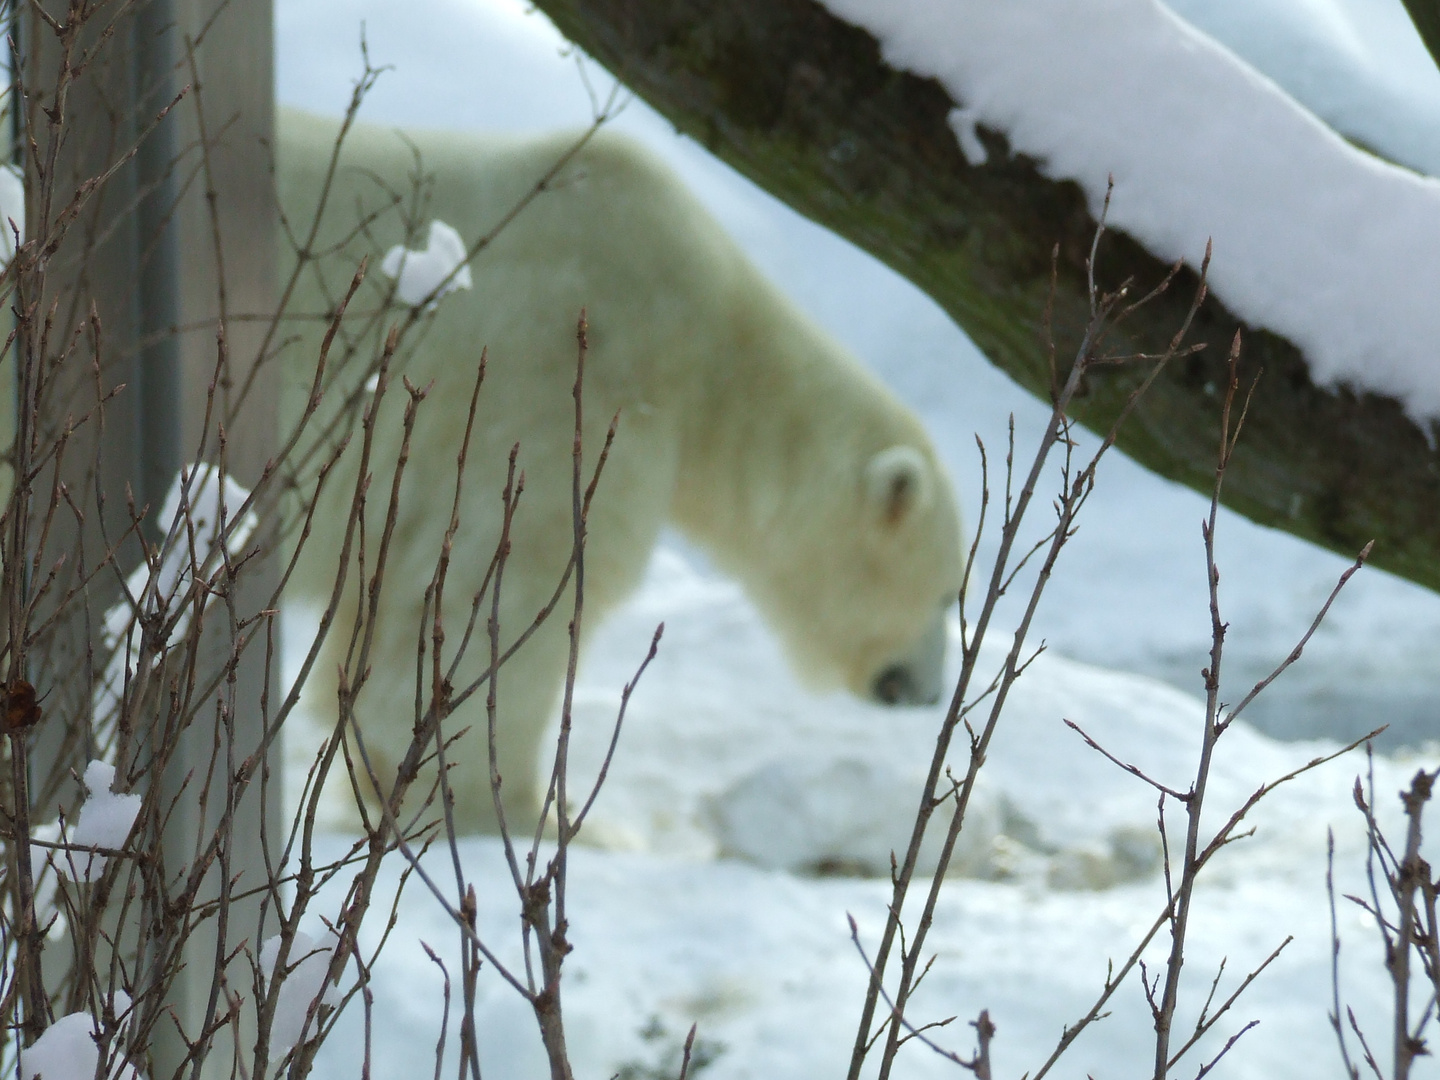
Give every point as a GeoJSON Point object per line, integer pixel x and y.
{"type": "Point", "coordinates": [804, 105]}
{"type": "Point", "coordinates": [1425, 14]}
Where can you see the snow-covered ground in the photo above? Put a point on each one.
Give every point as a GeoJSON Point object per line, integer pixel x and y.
{"type": "Point", "coordinates": [672, 925]}
{"type": "Point", "coordinates": [717, 762]}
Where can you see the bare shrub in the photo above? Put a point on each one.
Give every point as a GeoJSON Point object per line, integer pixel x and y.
{"type": "Point", "coordinates": [168, 915]}
{"type": "Point", "coordinates": [1401, 901]}
{"type": "Point", "coordinates": [943, 790]}
{"type": "Point", "coordinates": [161, 913]}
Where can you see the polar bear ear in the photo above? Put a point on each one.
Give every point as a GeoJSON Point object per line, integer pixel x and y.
{"type": "Point", "coordinates": [898, 481]}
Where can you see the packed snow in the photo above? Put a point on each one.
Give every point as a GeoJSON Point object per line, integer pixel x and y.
{"type": "Point", "coordinates": [106, 818]}
{"type": "Point", "coordinates": [1314, 239]}
{"type": "Point", "coordinates": [694, 903]}
{"type": "Point", "coordinates": [200, 509]}
{"type": "Point", "coordinates": [306, 969]}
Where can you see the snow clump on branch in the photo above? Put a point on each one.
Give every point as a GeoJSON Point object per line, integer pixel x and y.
{"type": "Point", "coordinates": [304, 981]}
{"type": "Point", "coordinates": [417, 274]}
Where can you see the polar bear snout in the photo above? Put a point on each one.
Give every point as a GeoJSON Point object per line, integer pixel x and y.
{"type": "Point", "coordinates": [917, 678]}
{"type": "Point", "coordinates": [896, 686]}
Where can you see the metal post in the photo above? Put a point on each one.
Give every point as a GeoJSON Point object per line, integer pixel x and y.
{"type": "Point", "coordinates": [157, 371]}
{"type": "Point", "coordinates": [167, 255]}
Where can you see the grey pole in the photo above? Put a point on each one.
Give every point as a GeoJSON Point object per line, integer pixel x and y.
{"type": "Point", "coordinates": [157, 372]}
{"type": "Point", "coordinates": [151, 255]}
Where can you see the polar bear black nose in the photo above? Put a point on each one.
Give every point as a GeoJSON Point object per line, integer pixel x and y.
{"type": "Point", "coordinates": [896, 685]}
{"type": "Point", "coordinates": [917, 677]}
{"type": "Point", "coordinates": [890, 685]}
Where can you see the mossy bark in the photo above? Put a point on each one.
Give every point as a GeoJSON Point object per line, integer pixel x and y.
{"type": "Point", "coordinates": [804, 105]}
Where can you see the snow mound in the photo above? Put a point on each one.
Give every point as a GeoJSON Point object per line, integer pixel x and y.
{"type": "Point", "coordinates": [845, 815]}
{"type": "Point", "coordinates": [724, 754]}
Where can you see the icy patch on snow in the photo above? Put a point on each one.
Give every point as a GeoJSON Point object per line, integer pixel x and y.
{"type": "Point", "coordinates": [814, 814]}
{"type": "Point", "coordinates": [417, 274]}
{"type": "Point", "coordinates": [724, 753]}
{"type": "Point", "coordinates": [1314, 239]}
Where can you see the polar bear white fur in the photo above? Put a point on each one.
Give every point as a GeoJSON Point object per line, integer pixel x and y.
{"type": "Point", "coordinates": [740, 421]}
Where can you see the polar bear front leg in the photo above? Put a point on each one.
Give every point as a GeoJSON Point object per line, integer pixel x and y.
{"type": "Point", "coordinates": [527, 692]}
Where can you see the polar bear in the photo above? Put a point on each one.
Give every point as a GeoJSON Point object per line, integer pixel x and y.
{"type": "Point", "coordinates": [741, 423]}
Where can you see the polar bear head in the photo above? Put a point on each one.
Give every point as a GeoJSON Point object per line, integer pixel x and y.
{"type": "Point", "coordinates": [845, 534]}
{"type": "Point", "coordinates": [901, 490]}
{"type": "Point", "coordinates": [864, 602]}
{"type": "Point", "coordinates": [815, 486]}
